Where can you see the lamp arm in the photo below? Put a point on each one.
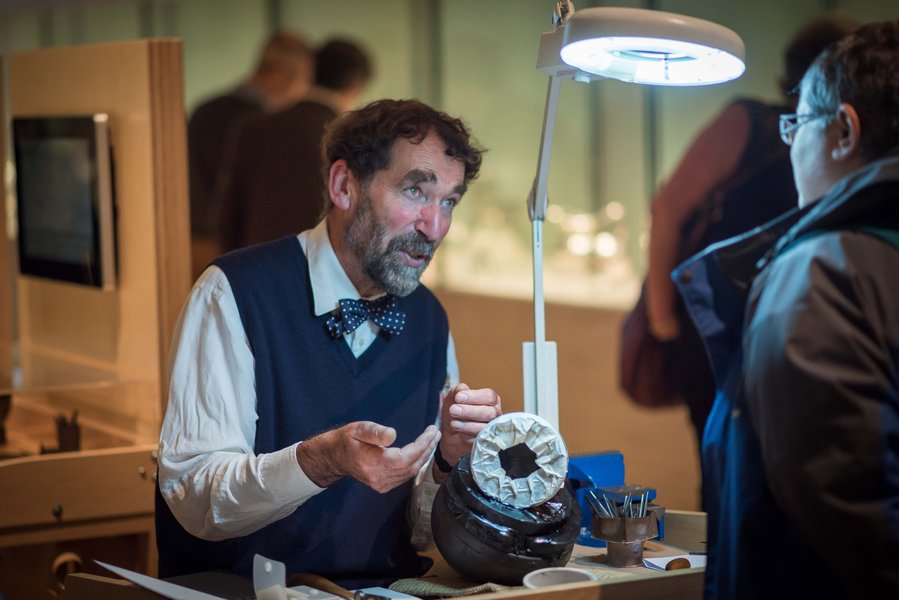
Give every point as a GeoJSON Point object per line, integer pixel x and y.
{"type": "Point", "coordinates": [543, 398]}
{"type": "Point", "coordinates": [537, 200]}
{"type": "Point", "coordinates": [537, 204]}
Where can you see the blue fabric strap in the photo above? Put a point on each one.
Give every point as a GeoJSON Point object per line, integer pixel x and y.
{"type": "Point", "coordinates": [353, 313]}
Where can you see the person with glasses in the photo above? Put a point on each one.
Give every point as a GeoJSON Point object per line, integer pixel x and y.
{"type": "Point", "coordinates": [735, 175]}
{"type": "Point", "coordinates": [789, 123]}
{"type": "Point", "coordinates": [801, 318]}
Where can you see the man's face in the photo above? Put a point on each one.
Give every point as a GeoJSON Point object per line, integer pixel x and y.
{"type": "Point", "coordinates": [404, 213]}
{"type": "Point", "coordinates": [810, 155]}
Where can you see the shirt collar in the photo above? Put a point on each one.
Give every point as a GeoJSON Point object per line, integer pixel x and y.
{"type": "Point", "coordinates": [330, 283]}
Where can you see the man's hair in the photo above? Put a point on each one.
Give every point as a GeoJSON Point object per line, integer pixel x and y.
{"type": "Point", "coordinates": [340, 64]}
{"type": "Point", "coordinates": [862, 70]}
{"type": "Point", "coordinates": [365, 137]}
{"type": "Point", "coordinates": [808, 42]}
{"type": "Point", "coordinates": [281, 51]}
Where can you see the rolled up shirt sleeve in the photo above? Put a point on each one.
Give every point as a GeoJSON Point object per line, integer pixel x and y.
{"type": "Point", "coordinates": [212, 481]}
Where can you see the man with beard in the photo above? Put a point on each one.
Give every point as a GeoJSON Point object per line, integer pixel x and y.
{"type": "Point", "coordinates": [308, 372]}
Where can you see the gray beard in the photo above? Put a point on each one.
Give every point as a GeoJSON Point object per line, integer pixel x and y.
{"type": "Point", "coordinates": [366, 236]}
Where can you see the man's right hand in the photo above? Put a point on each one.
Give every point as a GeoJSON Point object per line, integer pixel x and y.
{"type": "Point", "coordinates": [361, 450]}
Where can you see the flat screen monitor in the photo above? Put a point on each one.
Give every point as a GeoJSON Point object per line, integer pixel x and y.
{"type": "Point", "coordinates": [64, 199]}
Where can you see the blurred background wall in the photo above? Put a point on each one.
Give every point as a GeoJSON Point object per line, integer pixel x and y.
{"type": "Point", "coordinates": [614, 143]}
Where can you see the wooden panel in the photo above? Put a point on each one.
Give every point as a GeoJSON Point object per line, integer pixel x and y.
{"type": "Point", "coordinates": [686, 529]}
{"type": "Point", "coordinates": [139, 83]}
{"type": "Point", "coordinates": [7, 265]}
{"type": "Point", "coordinates": [641, 584]}
{"type": "Point", "coordinates": [91, 484]}
{"type": "Point", "coordinates": [103, 353]}
{"type": "Point", "coordinates": [571, 591]}
{"type": "Point", "coordinates": [83, 586]}
{"type": "Point", "coordinates": [685, 585]}
{"type": "Point", "coordinates": [173, 266]}
{"type": "Point", "coordinates": [37, 572]}
{"type": "Point", "coordinates": [84, 530]}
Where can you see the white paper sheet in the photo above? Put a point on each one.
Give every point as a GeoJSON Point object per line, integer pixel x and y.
{"type": "Point", "coordinates": [659, 564]}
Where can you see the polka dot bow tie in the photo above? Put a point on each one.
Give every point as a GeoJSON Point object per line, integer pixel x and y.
{"type": "Point", "coordinates": [353, 313]}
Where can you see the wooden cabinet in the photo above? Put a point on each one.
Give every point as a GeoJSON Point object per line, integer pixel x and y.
{"type": "Point", "coordinates": [66, 348]}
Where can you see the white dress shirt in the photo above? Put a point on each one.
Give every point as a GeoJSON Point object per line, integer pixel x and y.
{"type": "Point", "coordinates": [214, 484]}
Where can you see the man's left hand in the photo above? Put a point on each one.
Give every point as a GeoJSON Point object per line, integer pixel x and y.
{"type": "Point", "coordinates": [464, 413]}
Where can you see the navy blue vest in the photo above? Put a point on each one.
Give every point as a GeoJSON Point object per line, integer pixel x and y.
{"type": "Point", "coordinates": [306, 383]}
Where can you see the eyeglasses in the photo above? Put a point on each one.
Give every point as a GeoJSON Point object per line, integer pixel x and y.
{"type": "Point", "coordinates": [789, 124]}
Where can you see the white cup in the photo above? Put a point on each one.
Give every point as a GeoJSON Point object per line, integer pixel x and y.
{"type": "Point", "coordinates": [556, 576]}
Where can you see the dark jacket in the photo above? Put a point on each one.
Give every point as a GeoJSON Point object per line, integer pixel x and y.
{"type": "Point", "coordinates": [801, 450]}
{"type": "Point", "coordinates": [212, 128]}
{"type": "Point", "coordinates": [275, 184]}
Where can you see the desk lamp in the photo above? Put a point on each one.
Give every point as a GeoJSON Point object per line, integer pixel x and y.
{"type": "Point", "coordinates": [629, 44]}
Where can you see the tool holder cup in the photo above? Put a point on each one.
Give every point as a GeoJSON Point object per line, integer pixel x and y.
{"type": "Point", "coordinates": [625, 520]}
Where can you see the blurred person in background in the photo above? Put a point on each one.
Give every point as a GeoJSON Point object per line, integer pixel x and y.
{"type": "Point", "coordinates": [735, 175]}
{"type": "Point", "coordinates": [282, 75]}
{"type": "Point", "coordinates": [274, 185]}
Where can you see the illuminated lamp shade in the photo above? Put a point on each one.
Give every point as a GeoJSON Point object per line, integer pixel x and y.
{"type": "Point", "coordinates": [650, 47]}
{"type": "Point", "coordinates": [635, 45]}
